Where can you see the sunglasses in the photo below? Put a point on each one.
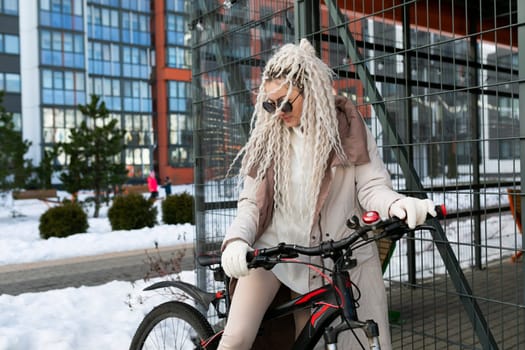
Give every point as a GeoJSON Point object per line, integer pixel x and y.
{"type": "Point", "coordinates": [271, 106]}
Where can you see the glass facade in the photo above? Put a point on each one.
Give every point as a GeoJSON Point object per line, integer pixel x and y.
{"type": "Point", "coordinates": [178, 41]}
{"type": "Point", "coordinates": [178, 56]}
{"type": "Point", "coordinates": [62, 73]}
{"type": "Point", "coordinates": [444, 123]}
{"type": "Point", "coordinates": [111, 55]}
{"type": "Point", "coordinates": [10, 79]}
{"type": "Point", "coordinates": [180, 124]}
{"type": "Point", "coordinates": [119, 70]}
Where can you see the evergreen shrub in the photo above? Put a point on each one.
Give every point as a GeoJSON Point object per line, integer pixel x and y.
{"type": "Point", "coordinates": [62, 221]}
{"type": "Point", "coordinates": [131, 212]}
{"type": "Point", "coordinates": [178, 209]}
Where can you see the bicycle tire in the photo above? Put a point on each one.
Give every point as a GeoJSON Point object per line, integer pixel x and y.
{"type": "Point", "coordinates": [172, 325]}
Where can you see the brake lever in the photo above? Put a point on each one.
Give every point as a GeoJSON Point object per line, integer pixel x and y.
{"type": "Point", "coordinates": [268, 262]}
{"type": "Point", "coordinates": [259, 261]}
{"type": "Point", "coordinates": [396, 230]}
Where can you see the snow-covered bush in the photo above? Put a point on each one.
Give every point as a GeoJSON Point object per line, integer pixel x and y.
{"type": "Point", "coordinates": [178, 209]}
{"type": "Point", "coordinates": [63, 220]}
{"type": "Point", "coordinates": [132, 211]}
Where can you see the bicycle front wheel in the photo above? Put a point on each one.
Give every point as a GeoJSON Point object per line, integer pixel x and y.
{"type": "Point", "coordinates": [172, 325]}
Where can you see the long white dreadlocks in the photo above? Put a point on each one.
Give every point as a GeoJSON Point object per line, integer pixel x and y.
{"type": "Point", "coordinates": [269, 142]}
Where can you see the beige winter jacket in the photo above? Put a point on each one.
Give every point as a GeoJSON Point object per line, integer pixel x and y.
{"type": "Point", "coordinates": [346, 190]}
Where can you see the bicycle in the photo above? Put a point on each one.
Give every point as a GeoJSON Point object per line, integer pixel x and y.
{"type": "Point", "coordinates": [179, 325]}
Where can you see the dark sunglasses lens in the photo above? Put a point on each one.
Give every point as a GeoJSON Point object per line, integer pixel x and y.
{"type": "Point", "coordinates": [268, 107]}
{"type": "Point", "coordinates": [287, 107]}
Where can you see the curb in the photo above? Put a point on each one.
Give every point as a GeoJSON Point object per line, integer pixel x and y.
{"type": "Point", "coordinates": [89, 258]}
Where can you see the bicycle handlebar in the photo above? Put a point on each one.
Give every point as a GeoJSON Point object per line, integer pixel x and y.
{"type": "Point", "coordinates": [393, 227]}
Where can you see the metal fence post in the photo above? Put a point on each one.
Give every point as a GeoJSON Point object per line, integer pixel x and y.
{"type": "Point", "coordinates": [521, 75]}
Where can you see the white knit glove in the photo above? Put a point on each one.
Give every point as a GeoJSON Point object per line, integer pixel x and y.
{"type": "Point", "coordinates": [413, 210]}
{"type": "Point", "coordinates": [233, 258]}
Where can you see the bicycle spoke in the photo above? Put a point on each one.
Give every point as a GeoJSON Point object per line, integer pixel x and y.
{"type": "Point", "coordinates": [173, 326]}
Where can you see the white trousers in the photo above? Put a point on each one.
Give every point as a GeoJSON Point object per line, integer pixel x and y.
{"type": "Point", "coordinates": [255, 292]}
{"type": "Point", "coordinates": [253, 295]}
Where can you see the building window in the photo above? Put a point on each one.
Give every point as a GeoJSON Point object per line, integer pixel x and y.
{"type": "Point", "coordinates": [109, 90]}
{"type": "Point", "coordinates": [17, 121]}
{"type": "Point", "coordinates": [62, 49]}
{"type": "Point", "coordinates": [63, 87]}
{"type": "Point", "coordinates": [113, 3]}
{"type": "Point", "coordinates": [58, 122]}
{"type": "Point", "coordinates": [137, 96]}
{"type": "Point", "coordinates": [183, 6]}
{"type": "Point", "coordinates": [9, 44]}
{"type": "Point", "coordinates": [135, 62]}
{"type": "Point", "coordinates": [178, 54]}
{"type": "Point", "coordinates": [178, 95]}
{"type": "Point", "coordinates": [135, 29]}
{"type": "Point", "coordinates": [503, 127]}
{"type": "Point", "coordinates": [65, 14]}
{"type": "Point", "coordinates": [137, 5]}
{"type": "Point", "coordinates": [139, 141]}
{"type": "Point", "coordinates": [104, 58]}
{"type": "Point", "coordinates": [103, 23]}
{"type": "Point", "coordinates": [10, 82]}
{"type": "Point", "coordinates": [9, 7]}
{"type": "Point", "coordinates": [138, 130]}
{"type": "Point", "coordinates": [181, 140]}
{"type": "Point", "coordinates": [181, 156]}
{"type": "Point", "coordinates": [176, 29]}
{"type": "Point", "coordinates": [178, 57]}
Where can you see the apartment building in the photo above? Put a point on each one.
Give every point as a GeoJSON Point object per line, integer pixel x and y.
{"type": "Point", "coordinates": [135, 54]}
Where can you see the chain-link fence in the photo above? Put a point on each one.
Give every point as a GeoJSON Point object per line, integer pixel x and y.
{"type": "Point", "coordinates": [438, 83]}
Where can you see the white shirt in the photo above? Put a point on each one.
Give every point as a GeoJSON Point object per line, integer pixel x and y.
{"type": "Point", "coordinates": [292, 226]}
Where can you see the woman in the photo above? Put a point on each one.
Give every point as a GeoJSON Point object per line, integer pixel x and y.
{"type": "Point", "coordinates": [153, 186]}
{"type": "Point", "coordinates": [310, 164]}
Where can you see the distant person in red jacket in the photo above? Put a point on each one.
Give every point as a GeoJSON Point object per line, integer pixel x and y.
{"type": "Point", "coordinates": [153, 186]}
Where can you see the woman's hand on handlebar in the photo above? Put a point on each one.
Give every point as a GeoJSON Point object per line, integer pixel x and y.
{"type": "Point", "coordinates": [413, 210]}
{"type": "Point", "coordinates": [233, 258]}
{"type": "Point", "coordinates": [238, 256]}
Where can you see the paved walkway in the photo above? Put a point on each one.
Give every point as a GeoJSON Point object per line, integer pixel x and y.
{"type": "Point", "coordinates": [88, 271]}
{"type": "Point", "coordinates": [433, 317]}
{"type": "Point", "coordinates": [430, 316]}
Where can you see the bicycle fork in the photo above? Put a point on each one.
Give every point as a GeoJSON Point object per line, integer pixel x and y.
{"type": "Point", "coordinates": [350, 320]}
{"type": "Point", "coordinates": [369, 327]}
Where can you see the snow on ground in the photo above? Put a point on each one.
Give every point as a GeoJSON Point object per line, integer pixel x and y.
{"type": "Point", "coordinates": [106, 316]}
{"type": "Point", "coordinates": [85, 318]}
{"type": "Point", "coordinates": [21, 242]}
